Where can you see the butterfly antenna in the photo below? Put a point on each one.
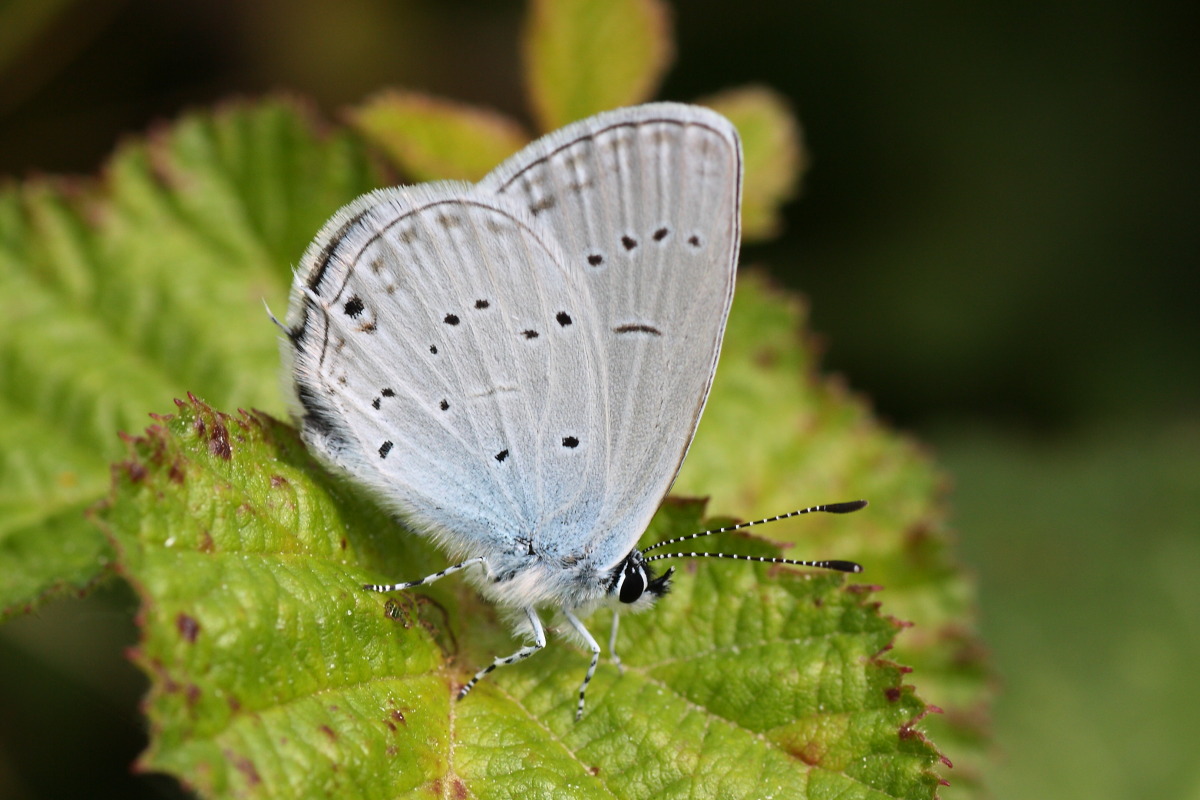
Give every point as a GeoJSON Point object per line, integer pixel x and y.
{"type": "Point", "coordinates": [828, 508]}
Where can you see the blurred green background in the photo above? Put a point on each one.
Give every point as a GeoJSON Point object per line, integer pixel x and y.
{"type": "Point", "coordinates": [998, 237]}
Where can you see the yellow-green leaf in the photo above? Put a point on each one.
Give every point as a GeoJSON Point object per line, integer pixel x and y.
{"type": "Point", "coordinates": [273, 673]}
{"type": "Point", "coordinates": [587, 56]}
{"type": "Point", "coordinates": [773, 148]}
{"type": "Point", "coordinates": [429, 138]}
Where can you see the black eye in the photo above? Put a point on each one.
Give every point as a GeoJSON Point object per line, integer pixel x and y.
{"type": "Point", "coordinates": [633, 585]}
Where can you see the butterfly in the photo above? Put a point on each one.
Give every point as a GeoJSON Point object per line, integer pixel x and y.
{"type": "Point", "coordinates": [516, 368]}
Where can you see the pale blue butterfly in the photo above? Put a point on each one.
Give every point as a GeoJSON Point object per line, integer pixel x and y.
{"type": "Point", "coordinates": [516, 368]}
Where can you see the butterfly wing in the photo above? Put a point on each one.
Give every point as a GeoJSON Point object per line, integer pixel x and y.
{"type": "Point", "coordinates": [444, 357]}
{"type": "Point", "coordinates": [645, 202]}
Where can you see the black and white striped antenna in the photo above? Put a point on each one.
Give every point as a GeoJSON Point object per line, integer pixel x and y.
{"type": "Point", "coordinates": [828, 508]}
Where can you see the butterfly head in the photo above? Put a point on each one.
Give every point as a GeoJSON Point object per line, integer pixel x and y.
{"type": "Point", "coordinates": [633, 582]}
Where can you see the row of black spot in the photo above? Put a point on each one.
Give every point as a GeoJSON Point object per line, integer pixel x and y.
{"type": "Point", "coordinates": [629, 243]}
{"type": "Point", "coordinates": [354, 308]}
{"type": "Point", "coordinates": [562, 318]}
{"type": "Point", "coordinates": [444, 405]}
{"type": "Point", "coordinates": [570, 442]}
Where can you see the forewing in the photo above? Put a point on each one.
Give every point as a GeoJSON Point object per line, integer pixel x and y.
{"type": "Point", "coordinates": [645, 202]}
{"type": "Point", "coordinates": [444, 357]}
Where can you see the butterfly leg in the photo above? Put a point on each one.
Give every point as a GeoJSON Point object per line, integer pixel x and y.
{"type": "Point", "coordinates": [539, 641]}
{"type": "Point", "coordinates": [595, 648]}
{"type": "Point", "coordinates": [612, 643]}
{"type": "Point", "coordinates": [395, 587]}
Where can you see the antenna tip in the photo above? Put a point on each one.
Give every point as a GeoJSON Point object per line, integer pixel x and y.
{"type": "Point", "coordinates": [844, 508]}
{"type": "Point", "coordinates": [843, 566]}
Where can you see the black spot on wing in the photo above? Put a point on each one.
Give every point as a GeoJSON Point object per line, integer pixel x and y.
{"type": "Point", "coordinates": [628, 242]}
{"type": "Point", "coordinates": [354, 307]}
{"type": "Point", "coordinates": [451, 319]}
{"type": "Point", "coordinates": [660, 234]}
{"type": "Point", "coordinates": [634, 327]}
{"type": "Point", "coordinates": [385, 448]}
{"type": "Point", "coordinates": [503, 454]}
{"type": "Point", "coordinates": [563, 318]}
{"type": "Point", "coordinates": [570, 442]}
{"type": "Point", "coordinates": [378, 401]}
{"type": "Point", "coordinates": [595, 259]}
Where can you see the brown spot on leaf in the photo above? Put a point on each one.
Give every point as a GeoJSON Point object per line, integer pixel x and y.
{"type": "Point", "coordinates": [328, 731]}
{"type": "Point", "coordinates": [176, 473]}
{"type": "Point", "coordinates": [218, 440]}
{"type": "Point", "coordinates": [277, 481]}
{"type": "Point", "coordinates": [188, 627]}
{"type": "Point", "coordinates": [892, 693]}
{"type": "Point", "coordinates": [244, 766]}
{"type": "Point", "coordinates": [136, 471]}
{"type": "Point", "coordinates": [810, 753]}
{"type": "Point", "coordinates": [192, 693]}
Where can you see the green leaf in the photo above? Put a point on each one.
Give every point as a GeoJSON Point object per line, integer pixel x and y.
{"type": "Point", "coordinates": [587, 56]}
{"type": "Point", "coordinates": [120, 295]}
{"type": "Point", "coordinates": [777, 436]}
{"type": "Point", "coordinates": [433, 139]}
{"type": "Point", "coordinates": [773, 154]}
{"type": "Point", "coordinates": [273, 673]}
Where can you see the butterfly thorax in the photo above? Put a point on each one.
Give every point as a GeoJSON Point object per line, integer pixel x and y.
{"type": "Point", "coordinates": [526, 578]}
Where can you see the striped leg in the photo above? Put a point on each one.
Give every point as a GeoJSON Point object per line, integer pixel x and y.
{"type": "Point", "coordinates": [595, 648]}
{"type": "Point", "coordinates": [539, 641]}
{"type": "Point", "coordinates": [612, 643]}
{"type": "Point", "coordinates": [395, 587]}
